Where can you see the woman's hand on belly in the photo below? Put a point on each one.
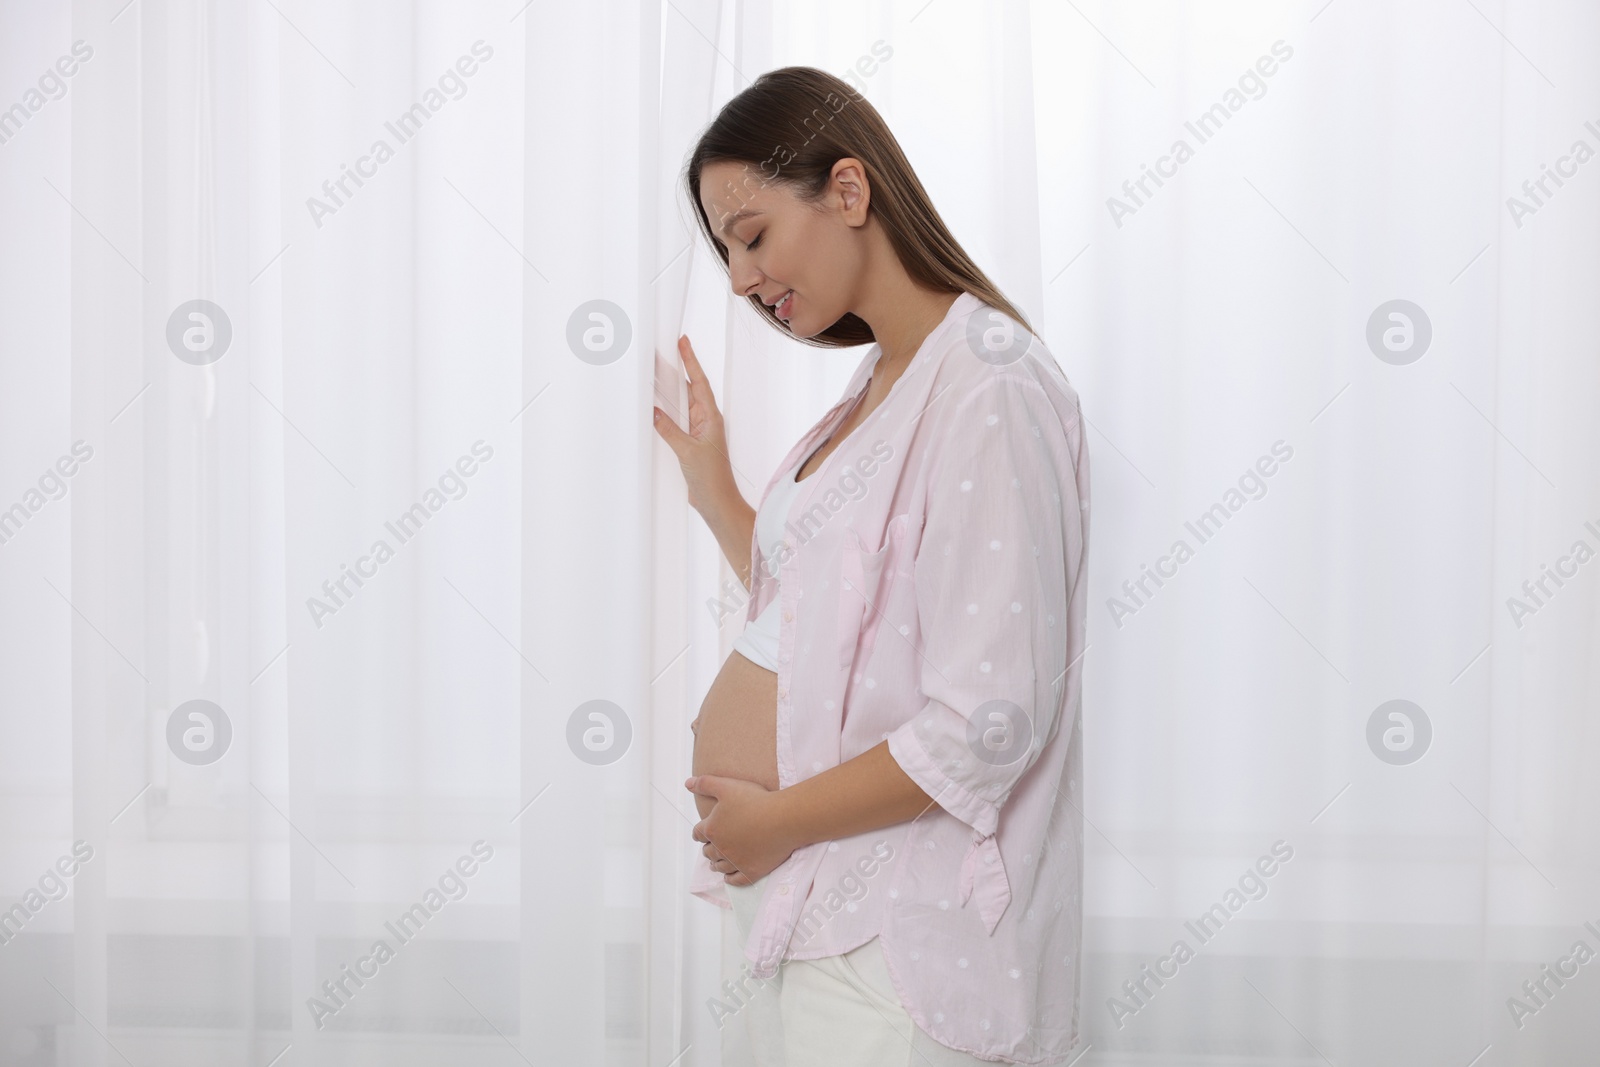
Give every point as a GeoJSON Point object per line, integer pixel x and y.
{"type": "Point", "coordinates": [743, 834]}
{"type": "Point", "coordinates": [720, 864]}
{"type": "Point", "coordinates": [739, 717]}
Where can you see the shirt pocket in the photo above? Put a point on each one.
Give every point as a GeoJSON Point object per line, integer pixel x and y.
{"type": "Point", "coordinates": [866, 577]}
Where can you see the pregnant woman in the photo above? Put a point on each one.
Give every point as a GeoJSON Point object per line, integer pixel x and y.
{"type": "Point", "coordinates": [888, 766]}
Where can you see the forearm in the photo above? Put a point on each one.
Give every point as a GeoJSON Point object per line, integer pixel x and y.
{"type": "Point", "coordinates": [862, 794]}
{"type": "Point", "coordinates": [733, 521]}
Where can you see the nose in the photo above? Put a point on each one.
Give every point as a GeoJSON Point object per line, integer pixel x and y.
{"type": "Point", "coordinates": [742, 275]}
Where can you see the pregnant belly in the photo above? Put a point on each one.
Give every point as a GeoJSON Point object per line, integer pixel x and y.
{"type": "Point", "coordinates": [737, 732]}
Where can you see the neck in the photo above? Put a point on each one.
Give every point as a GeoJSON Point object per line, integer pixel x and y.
{"type": "Point", "coordinates": [901, 323]}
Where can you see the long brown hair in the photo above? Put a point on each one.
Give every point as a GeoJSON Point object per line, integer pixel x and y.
{"type": "Point", "coordinates": [816, 119]}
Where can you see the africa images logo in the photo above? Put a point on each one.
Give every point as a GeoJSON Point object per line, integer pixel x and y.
{"type": "Point", "coordinates": [339, 990]}
{"type": "Point", "coordinates": [337, 192]}
{"type": "Point", "coordinates": [52, 886]}
{"type": "Point", "coordinates": [452, 485]}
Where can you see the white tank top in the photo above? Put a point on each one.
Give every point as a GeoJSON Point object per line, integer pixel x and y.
{"type": "Point", "coordinates": [759, 641]}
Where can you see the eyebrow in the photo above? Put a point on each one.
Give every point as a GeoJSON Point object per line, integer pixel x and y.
{"type": "Point", "coordinates": [739, 216]}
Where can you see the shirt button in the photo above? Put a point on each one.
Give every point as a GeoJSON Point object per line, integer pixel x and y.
{"type": "Point", "coordinates": [915, 956]}
{"type": "Point", "coordinates": [783, 890]}
{"type": "Point", "coordinates": [788, 616]}
{"type": "Point", "coordinates": [962, 962]}
{"type": "Point", "coordinates": [783, 693]}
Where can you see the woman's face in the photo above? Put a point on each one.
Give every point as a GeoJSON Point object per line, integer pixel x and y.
{"type": "Point", "coordinates": [777, 244]}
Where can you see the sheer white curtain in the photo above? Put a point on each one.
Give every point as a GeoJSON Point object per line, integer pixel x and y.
{"type": "Point", "coordinates": [468, 744]}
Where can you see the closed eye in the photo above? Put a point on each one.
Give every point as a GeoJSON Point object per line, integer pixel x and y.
{"type": "Point", "coordinates": [757, 241]}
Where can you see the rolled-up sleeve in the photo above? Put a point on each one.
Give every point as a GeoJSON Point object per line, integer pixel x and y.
{"type": "Point", "coordinates": [991, 574]}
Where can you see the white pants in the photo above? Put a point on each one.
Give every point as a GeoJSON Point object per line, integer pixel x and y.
{"type": "Point", "coordinates": [837, 1011]}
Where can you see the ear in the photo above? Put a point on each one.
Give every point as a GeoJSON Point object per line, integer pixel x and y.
{"type": "Point", "coordinates": [849, 180]}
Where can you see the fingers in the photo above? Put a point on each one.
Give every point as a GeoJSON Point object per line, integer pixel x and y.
{"type": "Point", "coordinates": [699, 393]}
{"type": "Point", "coordinates": [702, 401]}
{"type": "Point", "coordinates": [691, 365]}
{"type": "Point", "coordinates": [666, 425]}
{"type": "Point", "coordinates": [719, 863]}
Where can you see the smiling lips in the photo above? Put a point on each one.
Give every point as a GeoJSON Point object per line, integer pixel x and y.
{"type": "Point", "coordinates": [784, 305]}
